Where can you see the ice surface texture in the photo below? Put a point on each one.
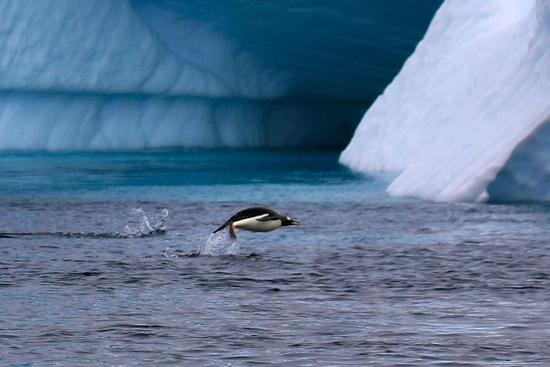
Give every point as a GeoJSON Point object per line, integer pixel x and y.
{"type": "Point", "coordinates": [133, 74]}
{"type": "Point", "coordinates": [470, 105]}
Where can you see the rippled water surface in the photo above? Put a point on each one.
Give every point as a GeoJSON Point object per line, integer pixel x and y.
{"type": "Point", "coordinates": [100, 266]}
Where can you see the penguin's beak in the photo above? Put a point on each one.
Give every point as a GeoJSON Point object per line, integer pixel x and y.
{"type": "Point", "coordinates": [294, 222]}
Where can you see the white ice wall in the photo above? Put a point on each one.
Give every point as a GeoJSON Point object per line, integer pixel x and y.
{"type": "Point", "coordinates": [477, 85]}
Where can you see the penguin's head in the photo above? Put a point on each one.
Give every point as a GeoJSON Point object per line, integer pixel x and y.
{"type": "Point", "coordinates": [287, 221]}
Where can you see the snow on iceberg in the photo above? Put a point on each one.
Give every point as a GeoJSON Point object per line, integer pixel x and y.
{"type": "Point", "coordinates": [471, 104]}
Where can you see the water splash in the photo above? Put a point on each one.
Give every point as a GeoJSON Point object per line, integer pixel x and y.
{"type": "Point", "coordinates": [219, 244]}
{"type": "Point", "coordinates": [171, 253]}
{"type": "Point", "coordinates": [146, 226]}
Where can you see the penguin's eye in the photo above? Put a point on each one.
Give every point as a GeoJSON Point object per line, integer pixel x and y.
{"type": "Point", "coordinates": [287, 218]}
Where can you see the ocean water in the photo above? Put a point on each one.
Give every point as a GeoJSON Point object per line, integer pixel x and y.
{"type": "Point", "coordinates": [107, 259]}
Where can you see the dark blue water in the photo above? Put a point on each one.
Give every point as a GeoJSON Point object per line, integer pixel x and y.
{"type": "Point", "coordinates": [99, 266]}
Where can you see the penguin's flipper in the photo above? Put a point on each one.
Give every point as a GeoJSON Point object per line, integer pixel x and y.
{"type": "Point", "coordinates": [232, 232]}
{"type": "Point", "coordinates": [223, 226]}
{"type": "Point", "coordinates": [267, 218]}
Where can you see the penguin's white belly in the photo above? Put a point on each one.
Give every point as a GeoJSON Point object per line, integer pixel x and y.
{"type": "Point", "coordinates": [254, 225]}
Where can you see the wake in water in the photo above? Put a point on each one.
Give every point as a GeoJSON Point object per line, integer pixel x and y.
{"type": "Point", "coordinates": [143, 227]}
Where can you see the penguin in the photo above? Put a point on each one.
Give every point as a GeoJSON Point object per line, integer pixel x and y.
{"type": "Point", "coordinates": [256, 220]}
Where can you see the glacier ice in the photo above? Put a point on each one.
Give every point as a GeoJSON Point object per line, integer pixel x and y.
{"type": "Point", "coordinates": [133, 74]}
{"type": "Point", "coordinates": [466, 118]}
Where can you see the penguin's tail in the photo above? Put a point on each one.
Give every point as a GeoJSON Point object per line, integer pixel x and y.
{"type": "Point", "coordinates": [223, 226]}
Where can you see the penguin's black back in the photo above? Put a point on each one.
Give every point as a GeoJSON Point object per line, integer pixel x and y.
{"type": "Point", "coordinates": [252, 212]}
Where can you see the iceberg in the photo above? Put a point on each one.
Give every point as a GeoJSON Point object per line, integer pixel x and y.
{"type": "Point", "coordinates": [467, 117]}
{"type": "Point", "coordinates": [138, 74]}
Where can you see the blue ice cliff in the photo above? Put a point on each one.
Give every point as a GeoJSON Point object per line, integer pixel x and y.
{"type": "Point", "coordinates": [120, 74]}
